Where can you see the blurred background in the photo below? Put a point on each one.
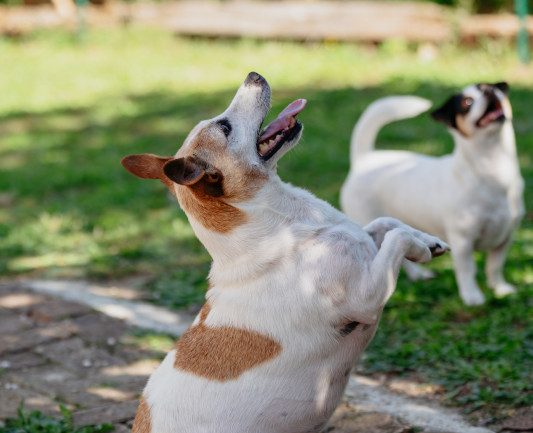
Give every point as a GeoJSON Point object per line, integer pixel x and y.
{"type": "Point", "coordinates": [83, 84]}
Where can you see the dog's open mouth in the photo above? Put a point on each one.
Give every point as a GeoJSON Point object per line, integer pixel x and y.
{"type": "Point", "coordinates": [280, 131]}
{"type": "Point", "coordinates": [493, 113]}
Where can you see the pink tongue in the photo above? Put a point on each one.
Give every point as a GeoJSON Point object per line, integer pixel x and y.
{"type": "Point", "coordinates": [491, 116]}
{"type": "Point", "coordinates": [284, 119]}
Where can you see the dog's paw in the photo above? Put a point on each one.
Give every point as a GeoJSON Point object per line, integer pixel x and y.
{"type": "Point", "coordinates": [472, 297]}
{"type": "Point", "coordinates": [435, 246]}
{"type": "Point", "coordinates": [438, 248]}
{"type": "Point", "coordinates": [504, 289]}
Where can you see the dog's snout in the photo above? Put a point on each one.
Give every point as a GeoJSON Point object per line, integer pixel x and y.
{"type": "Point", "coordinates": [486, 89]}
{"type": "Point", "coordinates": [254, 79]}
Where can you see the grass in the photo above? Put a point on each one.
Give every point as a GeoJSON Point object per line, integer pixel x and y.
{"type": "Point", "coordinates": [69, 112]}
{"type": "Point", "coordinates": [37, 422]}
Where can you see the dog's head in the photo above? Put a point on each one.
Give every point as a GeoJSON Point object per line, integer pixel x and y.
{"type": "Point", "coordinates": [479, 109]}
{"type": "Point", "coordinates": [227, 159]}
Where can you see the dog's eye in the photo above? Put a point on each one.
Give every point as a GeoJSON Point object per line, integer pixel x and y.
{"type": "Point", "coordinates": [225, 126]}
{"type": "Point", "coordinates": [466, 103]}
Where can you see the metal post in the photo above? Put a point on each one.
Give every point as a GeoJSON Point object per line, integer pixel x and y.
{"type": "Point", "coordinates": [80, 8]}
{"type": "Point", "coordinates": [523, 36]}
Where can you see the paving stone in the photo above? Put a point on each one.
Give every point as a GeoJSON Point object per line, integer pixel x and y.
{"type": "Point", "coordinates": [115, 413]}
{"type": "Point", "coordinates": [415, 389]}
{"type": "Point", "coordinates": [131, 377]}
{"type": "Point", "coordinates": [12, 322]}
{"type": "Point", "coordinates": [347, 419]}
{"type": "Point", "coordinates": [75, 355]}
{"type": "Point", "coordinates": [122, 428]}
{"type": "Point", "coordinates": [99, 329]}
{"type": "Point", "coordinates": [12, 394]}
{"type": "Point", "coordinates": [60, 384]}
{"type": "Point", "coordinates": [6, 288]}
{"type": "Point", "coordinates": [17, 361]}
{"type": "Point", "coordinates": [53, 310]}
{"type": "Point", "coordinates": [33, 337]}
{"type": "Point", "coordinates": [19, 300]}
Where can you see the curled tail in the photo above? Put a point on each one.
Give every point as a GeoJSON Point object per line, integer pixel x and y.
{"type": "Point", "coordinates": [377, 115]}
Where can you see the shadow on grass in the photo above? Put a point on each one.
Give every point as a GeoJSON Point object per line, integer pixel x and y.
{"type": "Point", "coordinates": [69, 209]}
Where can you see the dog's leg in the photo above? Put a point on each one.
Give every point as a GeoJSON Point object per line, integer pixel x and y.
{"type": "Point", "coordinates": [416, 272]}
{"type": "Point", "coordinates": [465, 270]}
{"type": "Point", "coordinates": [396, 241]}
{"type": "Point", "coordinates": [494, 270]}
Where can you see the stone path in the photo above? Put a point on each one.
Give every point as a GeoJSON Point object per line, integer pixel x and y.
{"type": "Point", "coordinates": [56, 351]}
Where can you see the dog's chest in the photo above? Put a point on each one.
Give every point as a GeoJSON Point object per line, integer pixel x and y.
{"type": "Point", "coordinates": [495, 220]}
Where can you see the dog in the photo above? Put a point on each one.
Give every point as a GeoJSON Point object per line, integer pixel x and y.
{"type": "Point", "coordinates": [296, 288]}
{"type": "Point", "coordinates": [472, 198]}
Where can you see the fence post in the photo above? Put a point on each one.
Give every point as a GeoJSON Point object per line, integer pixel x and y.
{"type": "Point", "coordinates": [81, 24]}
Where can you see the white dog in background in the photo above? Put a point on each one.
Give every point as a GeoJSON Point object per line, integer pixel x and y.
{"type": "Point", "coordinates": [472, 198]}
{"type": "Point", "coordinates": [296, 288]}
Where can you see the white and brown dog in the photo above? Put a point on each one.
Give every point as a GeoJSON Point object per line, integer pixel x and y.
{"type": "Point", "coordinates": [471, 198]}
{"type": "Point", "coordinates": [296, 288]}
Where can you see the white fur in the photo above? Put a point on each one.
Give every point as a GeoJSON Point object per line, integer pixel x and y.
{"type": "Point", "coordinates": [296, 269]}
{"type": "Point", "coordinates": [471, 198]}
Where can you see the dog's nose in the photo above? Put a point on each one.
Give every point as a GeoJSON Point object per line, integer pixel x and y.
{"type": "Point", "coordinates": [254, 79]}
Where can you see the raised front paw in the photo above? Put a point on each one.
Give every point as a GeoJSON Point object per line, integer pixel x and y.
{"type": "Point", "coordinates": [438, 248]}
{"type": "Point", "coordinates": [425, 247]}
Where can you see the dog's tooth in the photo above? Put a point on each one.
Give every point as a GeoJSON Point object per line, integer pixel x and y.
{"type": "Point", "coordinates": [263, 147]}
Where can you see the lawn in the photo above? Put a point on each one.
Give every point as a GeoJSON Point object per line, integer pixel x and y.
{"type": "Point", "coordinates": [69, 112]}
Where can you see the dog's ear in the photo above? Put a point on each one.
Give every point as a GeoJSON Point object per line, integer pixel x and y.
{"type": "Point", "coordinates": [503, 86]}
{"type": "Point", "coordinates": [196, 174]}
{"type": "Point", "coordinates": [447, 112]}
{"type": "Point", "coordinates": [146, 165]}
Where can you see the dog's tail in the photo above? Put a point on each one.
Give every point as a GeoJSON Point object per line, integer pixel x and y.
{"type": "Point", "coordinates": [380, 113]}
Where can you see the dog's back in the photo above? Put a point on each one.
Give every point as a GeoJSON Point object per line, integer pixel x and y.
{"type": "Point", "coordinates": [388, 182]}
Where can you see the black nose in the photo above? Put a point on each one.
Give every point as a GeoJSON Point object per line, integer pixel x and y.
{"type": "Point", "coordinates": [254, 79]}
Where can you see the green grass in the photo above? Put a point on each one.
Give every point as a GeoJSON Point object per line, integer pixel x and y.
{"type": "Point", "coordinates": [69, 112]}
{"type": "Point", "coordinates": [37, 422]}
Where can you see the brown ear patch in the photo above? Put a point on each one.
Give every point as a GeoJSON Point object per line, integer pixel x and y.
{"type": "Point", "coordinates": [143, 421]}
{"type": "Point", "coordinates": [222, 353]}
{"type": "Point", "coordinates": [145, 165]}
{"type": "Point", "coordinates": [196, 174]}
{"type": "Point", "coordinates": [148, 166]}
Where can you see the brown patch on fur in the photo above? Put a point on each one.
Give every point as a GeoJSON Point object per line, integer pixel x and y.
{"type": "Point", "coordinates": [222, 353]}
{"type": "Point", "coordinates": [143, 420]}
{"type": "Point", "coordinates": [461, 125]}
{"type": "Point", "coordinates": [204, 312]}
{"type": "Point", "coordinates": [212, 212]}
{"type": "Point", "coordinates": [148, 166]}
{"type": "Point", "coordinates": [239, 183]}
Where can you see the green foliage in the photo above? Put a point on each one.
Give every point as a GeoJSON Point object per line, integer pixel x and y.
{"type": "Point", "coordinates": [37, 422]}
{"type": "Point", "coordinates": [69, 113]}
{"type": "Point", "coordinates": [181, 288]}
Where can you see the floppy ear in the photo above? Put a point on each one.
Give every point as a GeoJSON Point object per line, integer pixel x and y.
{"type": "Point", "coordinates": [196, 174]}
{"type": "Point", "coordinates": [146, 165]}
{"type": "Point", "coordinates": [447, 112]}
{"type": "Point", "coordinates": [503, 86]}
